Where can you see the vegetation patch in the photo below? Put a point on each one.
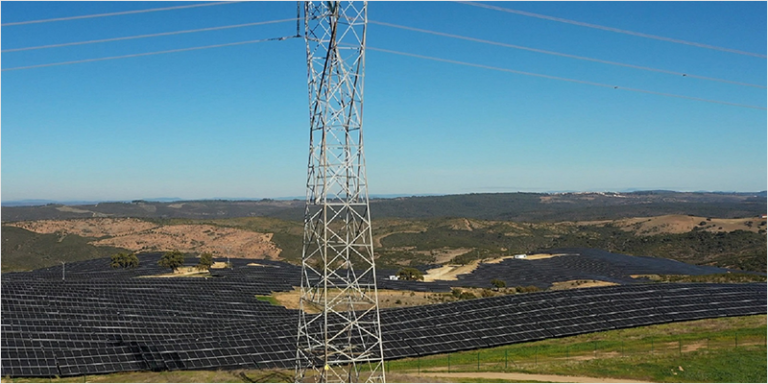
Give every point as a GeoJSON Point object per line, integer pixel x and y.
{"type": "Point", "coordinates": [268, 299]}
{"type": "Point", "coordinates": [712, 278]}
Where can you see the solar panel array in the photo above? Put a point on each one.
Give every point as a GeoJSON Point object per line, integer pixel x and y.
{"type": "Point", "coordinates": [579, 264]}
{"type": "Point", "coordinates": [482, 323]}
{"type": "Point", "coordinates": [97, 269]}
{"type": "Point", "coordinates": [80, 326]}
{"type": "Point", "coordinates": [75, 327]}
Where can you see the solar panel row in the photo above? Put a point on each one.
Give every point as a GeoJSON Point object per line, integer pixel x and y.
{"type": "Point", "coordinates": [579, 264]}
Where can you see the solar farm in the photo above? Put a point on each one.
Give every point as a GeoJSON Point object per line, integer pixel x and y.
{"type": "Point", "coordinates": [103, 320]}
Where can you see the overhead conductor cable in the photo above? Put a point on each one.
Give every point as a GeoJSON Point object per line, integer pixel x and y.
{"type": "Point", "coordinates": [564, 54]}
{"type": "Point", "coordinates": [151, 53]}
{"type": "Point", "coordinates": [117, 13]}
{"type": "Point", "coordinates": [611, 29]}
{"type": "Point", "coordinates": [564, 78]}
{"type": "Point", "coordinates": [147, 36]}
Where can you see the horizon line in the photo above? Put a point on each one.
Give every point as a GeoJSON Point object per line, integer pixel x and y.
{"type": "Point", "coordinates": [38, 202]}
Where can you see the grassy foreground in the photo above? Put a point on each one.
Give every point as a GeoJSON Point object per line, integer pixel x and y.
{"type": "Point", "coordinates": [711, 350]}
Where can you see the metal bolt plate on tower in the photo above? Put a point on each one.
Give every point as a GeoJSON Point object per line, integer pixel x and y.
{"type": "Point", "coordinates": [339, 332]}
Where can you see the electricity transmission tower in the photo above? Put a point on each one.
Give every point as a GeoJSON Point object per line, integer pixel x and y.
{"type": "Point", "coordinates": [339, 332]}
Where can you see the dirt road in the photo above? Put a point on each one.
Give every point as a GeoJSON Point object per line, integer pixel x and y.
{"type": "Point", "coordinates": [525, 377]}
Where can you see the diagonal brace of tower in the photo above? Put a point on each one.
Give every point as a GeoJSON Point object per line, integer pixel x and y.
{"type": "Point", "coordinates": [339, 332]}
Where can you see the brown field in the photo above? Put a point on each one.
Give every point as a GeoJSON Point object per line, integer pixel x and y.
{"type": "Point", "coordinates": [679, 224]}
{"type": "Point", "coordinates": [97, 227]}
{"type": "Point", "coordinates": [142, 236]}
{"type": "Point", "coordinates": [387, 298]}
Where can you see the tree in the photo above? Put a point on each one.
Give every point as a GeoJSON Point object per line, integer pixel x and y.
{"type": "Point", "coordinates": [408, 273]}
{"type": "Point", "coordinates": [498, 284]}
{"type": "Point", "coordinates": [206, 260]}
{"type": "Point", "coordinates": [124, 260]}
{"type": "Point", "coordinates": [172, 260]}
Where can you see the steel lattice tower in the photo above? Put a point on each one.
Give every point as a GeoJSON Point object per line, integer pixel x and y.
{"type": "Point", "coordinates": [339, 332]}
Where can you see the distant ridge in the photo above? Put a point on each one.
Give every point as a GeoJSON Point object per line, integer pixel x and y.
{"type": "Point", "coordinates": [36, 202]}
{"type": "Point", "coordinates": [519, 206]}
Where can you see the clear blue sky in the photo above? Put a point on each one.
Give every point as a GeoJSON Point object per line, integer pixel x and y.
{"type": "Point", "coordinates": [233, 122]}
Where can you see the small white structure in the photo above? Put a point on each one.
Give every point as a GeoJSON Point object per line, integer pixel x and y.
{"type": "Point", "coordinates": [394, 277]}
{"type": "Point", "coordinates": [520, 256]}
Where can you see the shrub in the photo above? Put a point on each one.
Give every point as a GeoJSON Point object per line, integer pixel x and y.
{"type": "Point", "coordinates": [408, 273]}
{"type": "Point", "coordinates": [528, 289]}
{"type": "Point", "coordinates": [467, 296]}
{"type": "Point", "coordinates": [124, 260]}
{"type": "Point", "coordinates": [498, 284]}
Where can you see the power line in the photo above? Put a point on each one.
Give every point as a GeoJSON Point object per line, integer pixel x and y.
{"type": "Point", "coordinates": [563, 54]}
{"type": "Point", "coordinates": [118, 13]}
{"type": "Point", "coordinates": [151, 53]}
{"type": "Point", "coordinates": [624, 31]}
{"type": "Point", "coordinates": [563, 78]}
{"type": "Point", "coordinates": [146, 36]}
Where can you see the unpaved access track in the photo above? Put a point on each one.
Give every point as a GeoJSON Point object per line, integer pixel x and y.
{"type": "Point", "coordinates": [525, 377]}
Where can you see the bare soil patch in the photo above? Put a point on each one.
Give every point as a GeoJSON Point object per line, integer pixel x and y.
{"type": "Point", "coordinates": [66, 208]}
{"type": "Point", "coordinates": [288, 299]}
{"type": "Point", "coordinates": [377, 239]}
{"type": "Point", "coordinates": [387, 298]}
{"type": "Point", "coordinates": [450, 272]}
{"type": "Point", "coordinates": [97, 227]}
{"type": "Point", "coordinates": [680, 224]}
{"type": "Point", "coordinates": [461, 225]}
{"type": "Point", "coordinates": [539, 256]}
{"type": "Point", "coordinates": [199, 238]}
{"type": "Point", "coordinates": [445, 255]}
{"type": "Point", "coordinates": [536, 256]}
{"type": "Point", "coordinates": [572, 284]}
{"type": "Point", "coordinates": [184, 272]}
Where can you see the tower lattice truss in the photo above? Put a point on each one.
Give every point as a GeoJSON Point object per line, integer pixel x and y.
{"type": "Point", "coordinates": [339, 333]}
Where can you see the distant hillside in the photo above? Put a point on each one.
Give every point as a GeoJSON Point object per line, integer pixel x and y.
{"type": "Point", "coordinates": [526, 207]}
{"type": "Point", "coordinates": [24, 250]}
{"type": "Point", "coordinates": [534, 207]}
{"type": "Point", "coordinates": [205, 209]}
{"type": "Point", "coordinates": [728, 243]}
